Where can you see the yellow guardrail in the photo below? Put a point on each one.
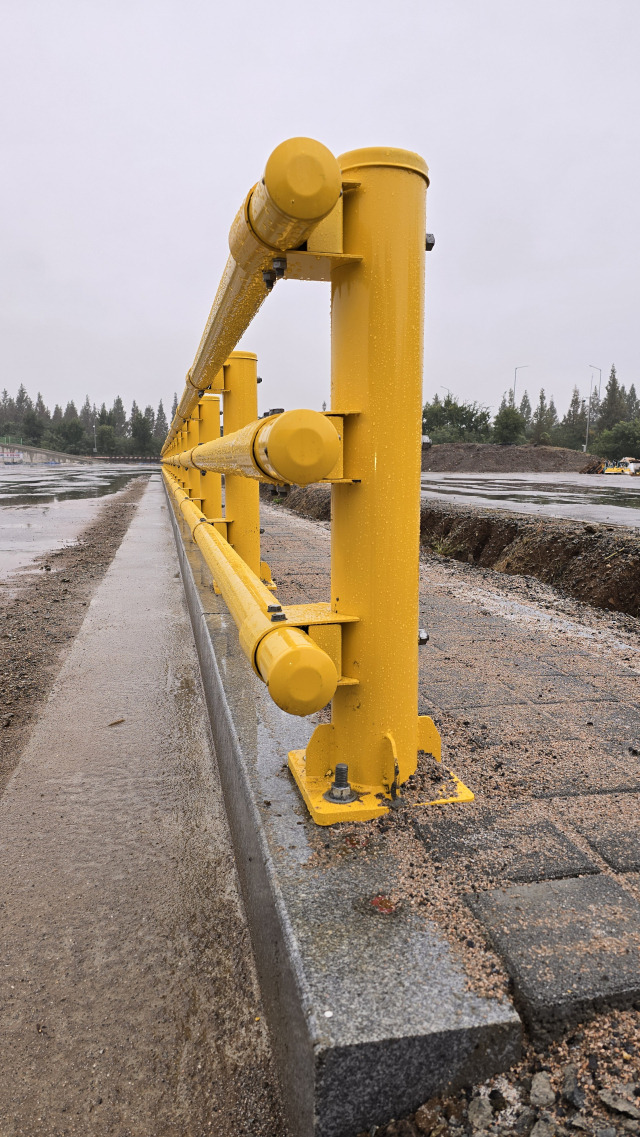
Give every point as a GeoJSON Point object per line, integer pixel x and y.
{"type": "Point", "coordinates": [301, 185]}
{"type": "Point", "coordinates": [357, 222]}
{"type": "Point", "coordinates": [297, 447]}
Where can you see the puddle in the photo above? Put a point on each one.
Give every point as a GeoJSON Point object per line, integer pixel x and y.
{"type": "Point", "coordinates": [604, 500]}
{"type": "Point", "coordinates": [43, 508]}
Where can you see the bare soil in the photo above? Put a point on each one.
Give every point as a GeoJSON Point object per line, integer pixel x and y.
{"type": "Point", "coordinates": [595, 564]}
{"type": "Point", "coordinates": [488, 458]}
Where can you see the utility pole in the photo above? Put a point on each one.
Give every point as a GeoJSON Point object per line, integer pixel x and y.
{"type": "Point", "coordinates": [520, 367]}
{"type": "Point", "coordinates": [95, 441]}
{"type": "Point", "coordinates": [586, 441]}
{"type": "Point", "coordinates": [599, 370]}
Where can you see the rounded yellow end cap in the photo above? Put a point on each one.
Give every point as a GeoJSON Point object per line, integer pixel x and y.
{"type": "Point", "coordinates": [303, 179]}
{"type": "Point", "coordinates": [302, 680]}
{"type": "Point", "coordinates": [302, 446]}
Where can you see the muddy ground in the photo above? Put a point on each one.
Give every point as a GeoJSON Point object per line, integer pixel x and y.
{"type": "Point", "coordinates": [488, 458]}
{"type": "Point", "coordinates": [595, 564]}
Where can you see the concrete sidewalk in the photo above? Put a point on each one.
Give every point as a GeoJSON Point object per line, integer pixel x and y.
{"type": "Point", "coordinates": [130, 1004]}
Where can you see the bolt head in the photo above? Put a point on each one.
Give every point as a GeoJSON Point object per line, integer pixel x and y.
{"type": "Point", "coordinates": [429, 242]}
{"type": "Point", "coordinates": [423, 637]}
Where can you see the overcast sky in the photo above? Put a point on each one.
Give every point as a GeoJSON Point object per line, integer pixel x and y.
{"type": "Point", "coordinates": [131, 132]}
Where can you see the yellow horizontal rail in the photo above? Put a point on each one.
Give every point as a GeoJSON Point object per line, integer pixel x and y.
{"type": "Point", "coordinates": [301, 185]}
{"type": "Point", "coordinates": [297, 447]}
{"type": "Point", "coordinates": [300, 676]}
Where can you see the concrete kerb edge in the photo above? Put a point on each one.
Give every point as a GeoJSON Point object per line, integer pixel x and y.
{"type": "Point", "coordinates": [275, 949]}
{"type": "Point", "coordinates": [310, 1067]}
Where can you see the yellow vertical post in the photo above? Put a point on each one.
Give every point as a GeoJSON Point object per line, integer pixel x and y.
{"type": "Point", "coordinates": [377, 319]}
{"type": "Point", "coordinates": [184, 439]}
{"type": "Point", "coordinates": [211, 483]}
{"type": "Point", "coordinates": [241, 495]}
{"type": "Point", "coordinates": [377, 314]}
{"type": "Point", "coordinates": [377, 327]}
{"type": "Point", "coordinates": [194, 477]}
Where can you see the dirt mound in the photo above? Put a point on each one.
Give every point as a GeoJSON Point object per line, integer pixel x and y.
{"type": "Point", "coordinates": [596, 564]}
{"type": "Point", "coordinates": [488, 458]}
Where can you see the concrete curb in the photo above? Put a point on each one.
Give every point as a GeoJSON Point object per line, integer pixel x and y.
{"type": "Point", "coordinates": [368, 1017]}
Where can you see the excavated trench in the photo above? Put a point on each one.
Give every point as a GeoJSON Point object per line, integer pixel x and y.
{"type": "Point", "coordinates": [596, 564]}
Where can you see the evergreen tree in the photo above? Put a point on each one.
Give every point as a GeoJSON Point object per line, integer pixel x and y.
{"type": "Point", "coordinates": [596, 409]}
{"type": "Point", "coordinates": [150, 417]}
{"type": "Point", "coordinates": [633, 404]}
{"type": "Point", "coordinates": [141, 436]}
{"type": "Point", "coordinates": [552, 416]}
{"type": "Point", "coordinates": [42, 411]}
{"type": "Point", "coordinates": [118, 417]}
{"type": "Point", "coordinates": [32, 427]}
{"type": "Point", "coordinates": [525, 410]}
{"type": "Point", "coordinates": [106, 440]}
{"type": "Point", "coordinates": [539, 419]}
{"type": "Point", "coordinates": [135, 411]}
{"type": "Point", "coordinates": [573, 428]}
{"type": "Point", "coordinates": [70, 411]}
{"type": "Point", "coordinates": [161, 427]}
{"type": "Point", "coordinates": [56, 417]}
{"type": "Point", "coordinates": [174, 405]}
{"type": "Point", "coordinates": [614, 404]}
{"type": "Point", "coordinates": [23, 403]}
{"type": "Point", "coordinates": [87, 417]}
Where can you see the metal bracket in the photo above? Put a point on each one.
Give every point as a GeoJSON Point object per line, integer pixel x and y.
{"type": "Point", "coordinates": [313, 770]}
{"type": "Point", "coordinates": [302, 265]}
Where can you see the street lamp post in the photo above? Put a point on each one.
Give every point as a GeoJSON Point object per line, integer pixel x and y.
{"type": "Point", "coordinates": [586, 441]}
{"type": "Point", "coordinates": [95, 440]}
{"type": "Point", "coordinates": [599, 370]}
{"type": "Point", "coordinates": [520, 367]}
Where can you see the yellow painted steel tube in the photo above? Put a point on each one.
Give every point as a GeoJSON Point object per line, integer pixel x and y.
{"type": "Point", "coordinates": [242, 498]}
{"type": "Point", "coordinates": [300, 677]}
{"type": "Point", "coordinates": [301, 185]}
{"type": "Point", "coordinates": [377, 315]}
{"type": "Point", "coordinates": [296, 447]}
{"type": "Point", "coordinates": [211, 484]}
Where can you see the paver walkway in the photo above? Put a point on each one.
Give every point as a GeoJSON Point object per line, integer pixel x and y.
{"type": "Point", "coordinates": [539, 708]}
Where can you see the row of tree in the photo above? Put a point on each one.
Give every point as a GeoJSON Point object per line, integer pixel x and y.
{"type": "Point", "coordinates": [609, 426]}
{"type": "Point", "coordinates": [73, 431]}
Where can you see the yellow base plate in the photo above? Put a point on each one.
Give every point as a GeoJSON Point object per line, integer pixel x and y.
{"type": "Point", "coordinates": [369, 804]}
{"type": "Point", "coordinates": [462, 794]}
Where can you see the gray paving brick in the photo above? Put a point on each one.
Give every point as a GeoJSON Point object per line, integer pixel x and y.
{"type": "Point", "coordinates": [507, 845]}
{"type": "Point", "coordinates": [571, 947]}
{"type": "Point", "coordinates": [613, 830]}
